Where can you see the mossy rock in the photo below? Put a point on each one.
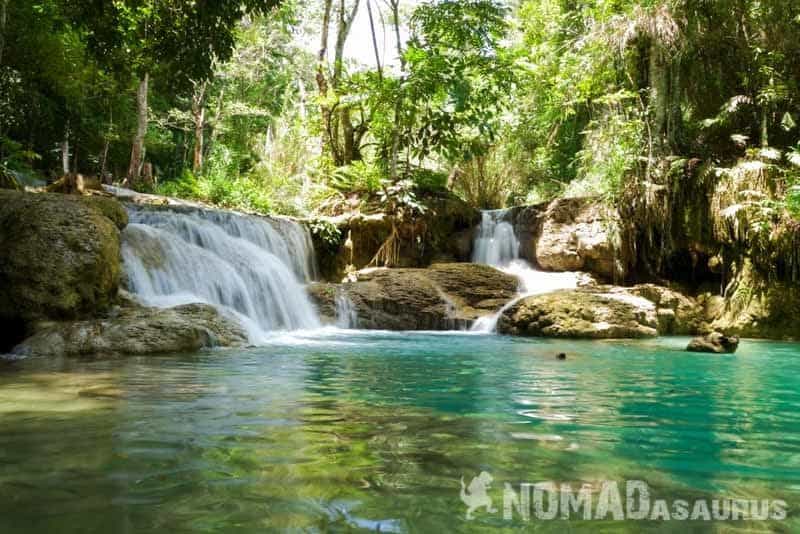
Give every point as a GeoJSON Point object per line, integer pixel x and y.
{"type": "Point", "coordinates": [757, 308]}
{"type": "Point", "coordinates": [59, 256]}
{"type": "Point", "coordinates": [136, 331]}
{"type": "Point", "coordinates": [581, 314]}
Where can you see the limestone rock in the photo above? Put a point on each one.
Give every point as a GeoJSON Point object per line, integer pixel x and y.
{"type": "Point", "coordinates": [757, 307]}
{"type": "Point", "coordinates": [578, 234]}
{"type": "Point", "coordinates": [581, 313]}
{"type": "Point", "coordinates": [677, 313]}
{"type": "Point", "coordinates": [59, 256]}
{"type": "Point", "coordinates": [442, 297]}
{"type": "Point", "coordinates": [444, 233]}
{"type": "Point", "coordinates": [715, 343]}
{"type": "Point", "coordinates": [136, 331]}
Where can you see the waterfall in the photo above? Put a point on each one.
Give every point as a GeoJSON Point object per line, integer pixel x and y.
{"type": "Point", "coordinates": [249, 267]}
{"type": "Point", "coordinates": [346, 314]}
{"type": "Point", "coordinates": [498, 245]}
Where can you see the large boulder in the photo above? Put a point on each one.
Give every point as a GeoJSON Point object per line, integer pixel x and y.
{"type": "Point", "coordinates": [715, 343]}
{"type": "Point", "coordinates": [136, 331]}
{"type": "Point", "coordinates": [580, 234]}
{"type": "Point", "coordinates": [581, 314]}
{"type": "Point", "coordinates": [59, 257]}
{"type": "Point", "coordinates": [442, 297]}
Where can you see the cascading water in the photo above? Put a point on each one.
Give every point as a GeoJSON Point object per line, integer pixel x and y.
{"type": "Point", "coordinates": [497, 245]}
{"type": "Point", "coordinates": [248, 267]}
{"type": "Point", "coordinates": [346, 314]}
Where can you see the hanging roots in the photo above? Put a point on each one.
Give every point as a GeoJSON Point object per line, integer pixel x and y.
{"type": "Point", "coordinates": [389, 253]}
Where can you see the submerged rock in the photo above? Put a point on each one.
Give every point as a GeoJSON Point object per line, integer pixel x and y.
{"type": "Point", "coordinates": [581, 314]}
{"type": "Point", "coordinates": [715, 342]}
{"type": "Point", "coordinates": [442, 297]}
{"type": "Point", "coordinates": [136, 331]}
{"type": "Point", "coordinates": [59, 257]}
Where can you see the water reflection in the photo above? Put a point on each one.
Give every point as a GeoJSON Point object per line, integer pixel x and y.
{"type": "Point", "coordinates": [372, 431]}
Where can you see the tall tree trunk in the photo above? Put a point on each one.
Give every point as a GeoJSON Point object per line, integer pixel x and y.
{"type": "Point", "coordinates": [343, 133]}
{"type": "Point", "coordinates": [3, 19]}
{"type": "Point", "coordinates": [199, 118]}
{"type": "Point", "coordinates": [322, 79]}
{"type": "Point", "coordinates": [65, 152]}
{"type": "Point", "coordinates": [398, 106]}
{"type": "Point", "coordinates": [137, 151]}
{"type": "Point", "coordinates": [106, 144]}
{"type": "Point", "coordinates": [374, 41]}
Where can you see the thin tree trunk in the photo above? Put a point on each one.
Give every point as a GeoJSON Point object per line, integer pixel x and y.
{"type": "Point", "coordinates": [199, 117]}
{"type": "Point", "coordinates": [344, 125]}
{"type": "Point", "coordinates": [65, 152]}
{"type": "Point", "coordinates": [344, 26]}
{"type": "Point", "coordinates": [398, 107]}
{"type": "Point", "coordinates": [374, 41]}
{"type": "Point", "coordinates": [106, 144]}
{"type": "Point", "coordinates": [3, 20]}
{"type": "Point", "coordinates": [322, 80]}
{"type": "Point", "coordinates": [137, 151]}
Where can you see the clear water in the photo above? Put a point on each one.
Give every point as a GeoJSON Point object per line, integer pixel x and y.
{"type": "Point", "coordinates": [354, 431]}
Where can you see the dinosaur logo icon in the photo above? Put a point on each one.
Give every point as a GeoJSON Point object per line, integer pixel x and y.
{"type": "Point", "coordinates": [475, 495]}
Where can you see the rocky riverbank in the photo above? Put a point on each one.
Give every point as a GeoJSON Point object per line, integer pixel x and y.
{"type": "Point", "coordinates": [61, 274]}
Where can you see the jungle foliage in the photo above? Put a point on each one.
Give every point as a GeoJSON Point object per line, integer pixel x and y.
{"type": "Point", "coordinates": [259, 105]}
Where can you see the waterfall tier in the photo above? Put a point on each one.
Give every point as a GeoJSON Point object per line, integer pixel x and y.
{"type": "Point", "coordinates": [498, 245]}
{"type": "Point", "coordinates": [249, 267]}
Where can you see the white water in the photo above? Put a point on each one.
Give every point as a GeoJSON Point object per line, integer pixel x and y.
{"type": "Point", "coordinates": [346, 314]}
{"type": "Point", "coordinates": [250, 268]}
{"type": "Point", "coordinates": [497, 245]}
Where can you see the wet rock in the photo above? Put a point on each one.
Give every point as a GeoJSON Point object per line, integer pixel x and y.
{"type": "Point", "coordinates": [715, 343]}
{"type": "Point", "coordinates": [581, 314]}
{"type": "Point", "coordinates": [442, 297]}
{"type": "Point", "coordinates": [136, 331]}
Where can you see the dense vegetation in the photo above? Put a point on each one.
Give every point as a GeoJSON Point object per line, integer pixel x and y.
{"type": "Point", "coordinates": [256, 104]}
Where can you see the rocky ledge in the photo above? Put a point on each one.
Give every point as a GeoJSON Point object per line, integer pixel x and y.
{"type": "Point", "coordinates": [443, 297]}
{"type": "Point", "coordinates": [136, 331]}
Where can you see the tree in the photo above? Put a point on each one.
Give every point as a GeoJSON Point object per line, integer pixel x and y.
{"type": "Point", "coordinates": [181, 37]}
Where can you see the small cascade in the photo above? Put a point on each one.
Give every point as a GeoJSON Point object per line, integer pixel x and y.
{"type": "Point", "coordinates": [249, 267]}
{"type": "Point", "coordinates": [346, 314]}
{"type": "Point", "coordinates": [498, 245]}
